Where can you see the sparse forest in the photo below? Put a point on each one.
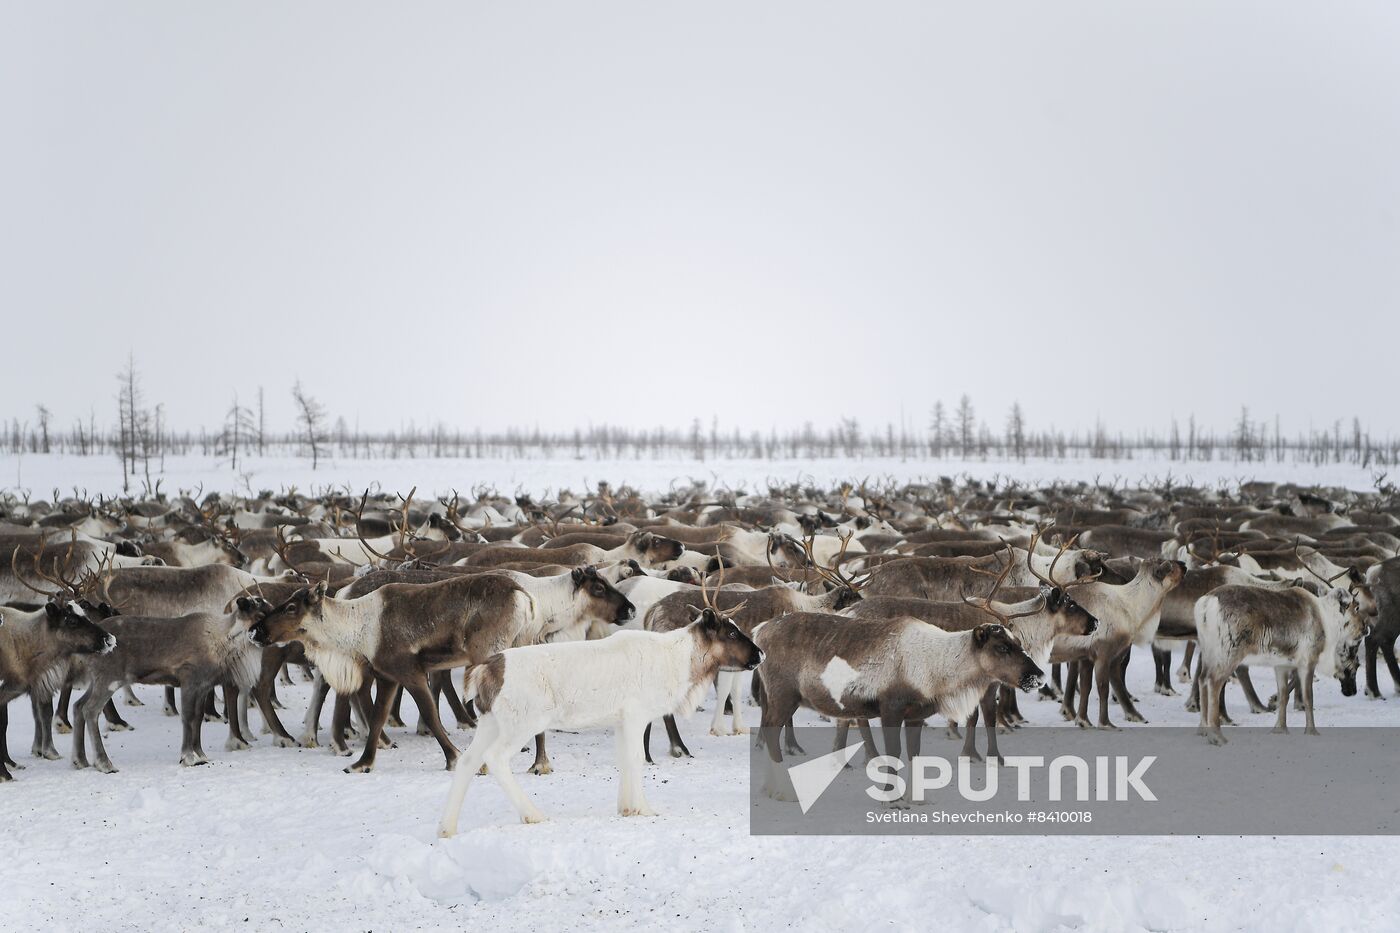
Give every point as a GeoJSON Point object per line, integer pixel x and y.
{"type": "Point", "coordinates": [140, 437]}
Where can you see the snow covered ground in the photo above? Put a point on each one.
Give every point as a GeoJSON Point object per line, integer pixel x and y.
{"type": "Point", "coordinates": [41, 473]}
{"type": "Point", "coordinates": [282, 839]}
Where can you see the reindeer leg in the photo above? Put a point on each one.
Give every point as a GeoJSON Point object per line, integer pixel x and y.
{"type": "Point", "coordinates": [1388, 652]}
{"type": "Point", "coordinates": [170, 709]}
{"type": "Point", "coordinates": [416, 684]}
{"type": "Point", "coordinates": [1373, 690]}
{"type": "Point", "coordinates": [194, 701]}
{"type": "Point", "coordinates": [1085, 687]}
{"type": "Point", "coordinates": [130, 698]}
{"type": "Point", "coordinates": [61, 722]}
{"type": "Point", "coordinates": [1183, 673]}
{"type": "Point", "coordinates": [673, 732]}
{"type": "Point", "coordinates": [284, 676]}
{"type": "Point", "coordinates": [1256, 706]}
{"type": "Point", "coordinates": [631, 801]}
{"type": "Point", "coordinates": [115, 722]}
{"type": "Point", "coordinates": [1281, 677]}
{"type": "Point", "coordinates": [646, 744]}
{"type": "Point", "coordinates": [498, 766]}
{"type": "Point", "coordinates": [1103, 675]}
{"type": "Point", "coordinates": [1305, 686]}
{"type": "Point", "coordinates": [262, 695]}
{"type": "Point", "coordinates": [467, 767]}
{"type": "Point", "coordinates": [541, 764]}
{"type": "Point", "coordinates": [1067, 704]}
{"type": "Point", "coordinates": [42, 746]}
{"type": "Point", "coordinates": [78, 754]}
{"type": "Point", "coordinates": [778, 707]}
{"type": "Point", "coordinates": [5, 775]}
{"type": "Point", "coordinates": [384, 699]}
{"type": "Point", "coordinates": [99, 748]}
{"type": "Point", "coordinates": [395, 711]}
{"type": "Point", "coordinates": [1162, 659]}
{"type": "Point", "coordinates": [454, 699]}
{"type": "Point", "coordinates": [969, 748]}
{"type": "Point", "coordinates": [1118, 681]}
{"type": "Point", "coordinates": [235, 741]}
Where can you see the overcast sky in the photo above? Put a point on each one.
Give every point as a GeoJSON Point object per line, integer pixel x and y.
{"type": "Point", "coordinates": [561, 213]}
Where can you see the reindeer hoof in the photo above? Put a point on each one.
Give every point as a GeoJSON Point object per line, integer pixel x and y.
{"type": "Point", "coordinates": [359, 768]}
{"type": "Point", "coordinates": [1109, 727]}
{"type": "Point", "coordinates": [341, 752]}
{"type": "Point", "coordinates": [1083, 723]}
{"type": "Point", "coordinates": [1135, 717]}
{"type": "Point", "coordinates": [394, 722]}
{"type": "Point", "coordinates": [120, 727]}
{"type": "Point", "coordinates": [543, 768]}
{"type": "Point", "coordinates": [681, 752]}
{"type": "Point", "coordinates": [1311, 731]}
{"type": "Point", "coordinates": [533, 818]}
{"type": "Point", "coordinates": [133, 700]}
{"type": "Point", "coordinates": [1192, 707]}
{"type": "Point", "coordinates": [236, 745]}
{"type": "Point", "coordinates": [106, 767]}
{"type": "Point", "coordinates": [1215, 738]}
{"type": "Point", "coordinates": [636, 811]}
{"type": "Point", "coordinates": [80, 764]}
{"type": "Point", "coordinates": [1165, 690]}
{"type": "Point", "coordinates": [62, 728]}
{"type": "Point", "coordinates": [1183, 676]}
{"type": "Point", "coordinates": [5, 776]}
{"type": "Point", "coordinates": [1279, 730]}
{"type": "Point", "coordinates": [1373, 694]}
{"type": "Point", "coordinates": [972, 756]}
{"type": "Point", "coordinates": [48, 754]}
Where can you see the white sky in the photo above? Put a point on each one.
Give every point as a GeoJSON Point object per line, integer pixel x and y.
{"type": "Point", "coordinates": [559, 213]}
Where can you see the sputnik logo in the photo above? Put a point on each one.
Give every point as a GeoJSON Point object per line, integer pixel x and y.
{"type": "Point", "coordinates": [811, 778]}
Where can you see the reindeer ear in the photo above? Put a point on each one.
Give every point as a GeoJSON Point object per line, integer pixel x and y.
{"type": "Point", "coordinates": [244, 603]}
{"type": "Point", "coordinates": [316, 593]}
{"type": "Point", "coordinates": [53, 612]}
{"type": "Point", "coordinates": [983, 632]}
{"type": "Point", "coordinates": [644, 542]}
{"type": "Point", "coordinates": [577, 576]}
{"type": "Point", "coordinates": [695, 612]}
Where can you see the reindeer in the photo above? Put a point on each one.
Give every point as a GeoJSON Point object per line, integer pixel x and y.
{"type": "Point", "coordinates": [1302, 628]}
{"type": "Point", "coordinates": [623, 681]}
{"type": "Point", "coordinates": [901, 670]}
{"type": "Point", "coordinates": [197, 653]}
{"type": "Point", "coordinates": [35, 650]}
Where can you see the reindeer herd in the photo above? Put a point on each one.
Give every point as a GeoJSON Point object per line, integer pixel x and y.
{"type": "Point", "coordinates": [895, 603]}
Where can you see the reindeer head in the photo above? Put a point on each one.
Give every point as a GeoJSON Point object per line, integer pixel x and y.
{"type": "Point", "coordinates": [999, 653]}
{"type": "Point", "coordinates": [785, 551]}
{"type": "Point", "coordinates": [604, 601]}
{"type": "Point", "coordinates": [723, 642]}
{"type": "Point", "coordinates": [247, 612]}
{"type": "Point", "coordinates": [74, 631]}
{"type": "Point", "coordinates": [287, 622]}
{"type": "Point", "coordinates": [1344, 622]}
{"type": "Point", "coordinates": [654, 549]}
{"type": "Point", "coordinates": [1070, 617]}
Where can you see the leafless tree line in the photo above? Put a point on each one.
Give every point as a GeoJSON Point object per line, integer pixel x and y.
{"type": "Point", "coordinates": [141, 436]}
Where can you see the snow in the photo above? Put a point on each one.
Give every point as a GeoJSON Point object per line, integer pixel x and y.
{"type": "Point", "coordinates": [42, 473]}
{"type": "Point", "coordinates": [281, 839]}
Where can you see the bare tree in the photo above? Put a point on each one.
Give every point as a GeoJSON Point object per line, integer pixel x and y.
{"type": "Point", "coordinates": [311, 422]}
{"type": "Point", "coordinates": [938, 428]}
{"type": "Point", "coordinates": [262, 423]}
{"type": "Point", "coordinates": [43, 428]}
{"type": "Point", "coordinates": [966, 425]}
{"type": "Point", "coordinates": [1016, 432]}
{"type": "Point", "coordinates": [238, 429]}
{"type": "Point", "coordinates": [130, 416]}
